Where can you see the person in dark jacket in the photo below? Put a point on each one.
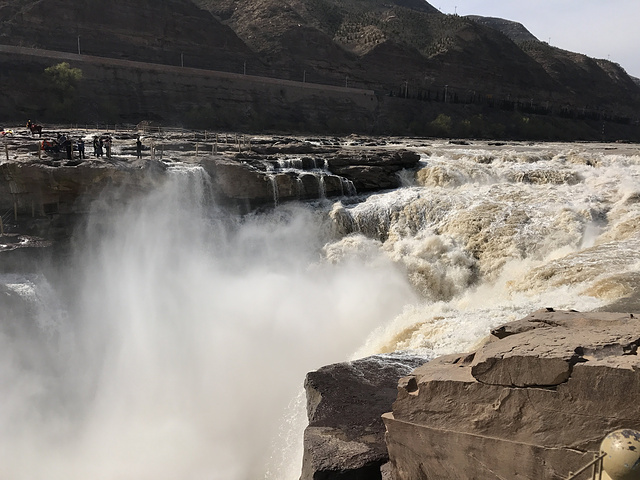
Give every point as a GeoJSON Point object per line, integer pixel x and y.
{"type": "Point", "coordinates": [81, 148]}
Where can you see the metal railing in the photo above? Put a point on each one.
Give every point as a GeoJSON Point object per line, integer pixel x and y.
{"type": "Point", "coordinates": [596, 468]}
{"type": "Point", "coordinates": [5, 219]}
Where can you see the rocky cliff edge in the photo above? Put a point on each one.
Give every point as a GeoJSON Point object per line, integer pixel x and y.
{"type": "Point", "coordinates": [534, 402]}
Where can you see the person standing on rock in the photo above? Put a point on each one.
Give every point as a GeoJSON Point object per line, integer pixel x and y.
{"type": "Point", "coordinates": [139, 147]}
{"type": "Point", "coordinates": [81, 148]}
{"type": "Point", "coordinates": [107, 143]}
{"type": "Point", "coordinates": [68, 145]}
{"type": "Point", "coordinates": [96, 147]}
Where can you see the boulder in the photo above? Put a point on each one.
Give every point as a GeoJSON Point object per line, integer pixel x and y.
{"type": "Point", "coordinates": [345, 436]}
{"type": "Point", "coordinates": [534, 402]}
{"type": "Point", "coordinates": [373, 169]}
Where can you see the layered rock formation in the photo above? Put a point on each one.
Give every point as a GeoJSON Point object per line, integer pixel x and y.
{"type": "Point", "coordinates": [44, 196]}
{"type": "Point", "coordinates": [373, 170]}
{"type": "Point", "coordinates": [535, 402]}
{"type": "Point", "coordinates": [39, 190]}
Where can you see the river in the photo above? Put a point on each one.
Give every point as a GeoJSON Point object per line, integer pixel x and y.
{"type": "Point", "coordinates": [173, 342]}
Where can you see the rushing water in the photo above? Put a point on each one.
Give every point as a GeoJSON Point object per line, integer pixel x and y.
{"type": "Point", "coordinates": [174, 341]}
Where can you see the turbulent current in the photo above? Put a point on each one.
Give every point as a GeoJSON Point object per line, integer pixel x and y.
{"type": "Point", "coordinates": [172, 342]}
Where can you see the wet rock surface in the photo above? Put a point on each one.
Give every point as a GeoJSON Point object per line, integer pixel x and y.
{"type": "Point", "coordinates": [535, 402]}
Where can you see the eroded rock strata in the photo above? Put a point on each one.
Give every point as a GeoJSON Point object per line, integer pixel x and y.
{"type": "Point", "coordinates": [535, 402]}
{"type": "Point", "coordinates": [39, 191]}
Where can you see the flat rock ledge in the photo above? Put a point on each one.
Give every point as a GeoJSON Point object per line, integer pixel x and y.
{"type": "Point", "coordinates": [41, 192]}
{"type": "Point", "coordinates": [345, 401]}
{"type": "Point", "coordinates": [534, 402]}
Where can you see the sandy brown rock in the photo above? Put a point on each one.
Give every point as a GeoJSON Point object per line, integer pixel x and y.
{"type": "Point", "coordinates": [534, 404]}
{"type": "Point", "coordinates": [235, 179]}
{"type": "Point", "coordinates": [41, 187]}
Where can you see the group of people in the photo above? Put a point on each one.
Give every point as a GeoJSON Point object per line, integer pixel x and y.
{"type": "Point", "coordinates": [63, 143]}
{"type": "Point", "coordinates": [101, 146]}
{"type": "Point", "coordinates": [102, 143]}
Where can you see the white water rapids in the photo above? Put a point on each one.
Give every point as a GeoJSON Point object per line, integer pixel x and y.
{"type": "Point", "coordinates": [174, 342]}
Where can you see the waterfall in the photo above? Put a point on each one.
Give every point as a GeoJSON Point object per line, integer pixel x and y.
{"type": "Point", "coordinates": [322, 188]}
{"type": "Point", "coordinates": [186, 333]}
{"type": "Point", "coordinates": [174, 340]}
{"type": "Point", "coordinates": [296, 168]}
{"type": "Point", "coordinates": [299, 187]}
{"type": "Point", "coordinates": [274, 187]}
{"type": "Point", "coordinates": [348, 188]}
{"type": "Point", "coordinates": [487, 237]}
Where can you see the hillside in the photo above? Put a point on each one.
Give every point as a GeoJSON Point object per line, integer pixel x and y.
{"type": "Point", "coordinates": [383, 44]}
{"type": "Point", "coordinates": [397, 48]}
{"type": "Point", "coordinates": [169, 32]}
{"type": "Point", "coordinates": [514, 30]}
{"type": "Point", "coordinates": [576, 71]}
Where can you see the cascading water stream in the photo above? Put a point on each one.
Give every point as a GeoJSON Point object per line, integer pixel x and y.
{"type": "Point", "coordinates": [274, 187]}
{"type": "Point", "coordinates": [322, 188]}
{"type": "Point", "coordinates": [297, 168]}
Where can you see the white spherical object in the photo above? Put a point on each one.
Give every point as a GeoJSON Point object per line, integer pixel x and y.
{"type": "Point", "coordinates": [622, 460]}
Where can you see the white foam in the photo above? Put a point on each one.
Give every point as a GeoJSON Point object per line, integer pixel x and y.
{"type": "Point", "coordinates": [186, 333]}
